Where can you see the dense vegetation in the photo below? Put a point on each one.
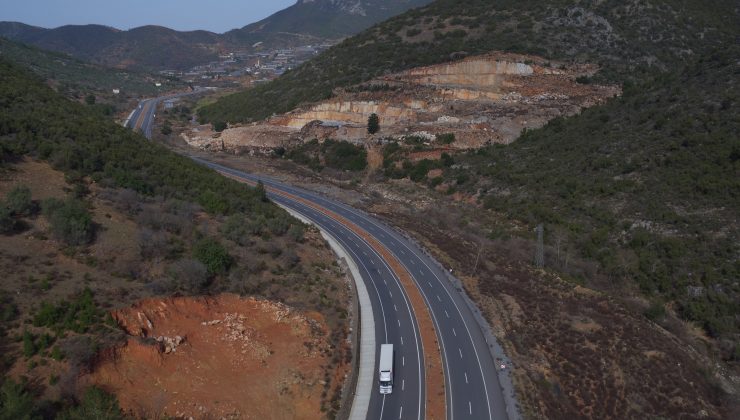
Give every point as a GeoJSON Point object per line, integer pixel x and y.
{"type": "Point", "coordinates": [668, 33]}
{"type": "Point", "coordinates": [647, 185]}
{"type": "Point", "coordinates": [35, 120]}
{"type": "Point", "coordinates": [170, 210]}
{"type": "Point", "coordinates": [77, 79]}
{"type": "Point", "coordinates": [340, 155]}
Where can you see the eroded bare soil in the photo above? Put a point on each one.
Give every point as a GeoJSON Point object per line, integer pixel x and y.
{"type": "Point", "coordinates": [223, 356]}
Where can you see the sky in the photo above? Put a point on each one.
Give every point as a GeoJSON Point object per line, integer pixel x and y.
{"type": "Point", "coordinates": [212, 15]}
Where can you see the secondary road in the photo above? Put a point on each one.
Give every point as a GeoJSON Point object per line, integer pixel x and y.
{"type": "Point", "coordinates": [472, 386]}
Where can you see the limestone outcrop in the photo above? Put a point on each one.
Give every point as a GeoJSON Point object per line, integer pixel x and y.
{"type": "Point", "coordinates": [482, 100]}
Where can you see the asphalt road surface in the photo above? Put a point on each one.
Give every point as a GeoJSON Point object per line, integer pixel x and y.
{"type": "Point", "coordinates": [472, 386]}
{"type": "Point", "coordinates": [143, 116]}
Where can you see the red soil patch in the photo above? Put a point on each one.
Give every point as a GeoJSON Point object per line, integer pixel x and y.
{"type": "Point", "coordinates": [224, 357]}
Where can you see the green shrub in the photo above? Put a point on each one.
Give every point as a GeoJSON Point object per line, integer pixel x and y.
{"type": "Point", "coordinates": [344, 155]}
{"type": "Point", "coordinates": [70, 221]}
{"type": "Point", "coordinates": [29, 344]}
{"type": "Point", "coordinates": [655, 312]}
{"type": "Point", "coordinates": [16, 403]}
{"type": "Point", "coordinates": [96, 404]}
{"type": "Point", "coordinates": [19, 200]}
{"type": "Point", "coordinates": [219, 126]}
{"type": "Point", "coordinates": [8, 223]}
{"type": "Point", "coordinates": [213, 255]}
{"type": "Point", "coordinates": [446, 138]}
{"type": "Point", "coordinates": [77, 314]}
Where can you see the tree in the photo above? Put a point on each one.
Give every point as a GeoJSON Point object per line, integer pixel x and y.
{"type": "Point", "coordinates": [166, 128]}
{"type": "Point", "coordinates": [219, 126]}
{"type": "Point", "coordinates": [213, 255]}
{"type": "Point", "coordinates": [90, 99]}
{"type": "Point", "coordinates": [373, 123]}
{"type": "Point", "coordinates": [261, 192]}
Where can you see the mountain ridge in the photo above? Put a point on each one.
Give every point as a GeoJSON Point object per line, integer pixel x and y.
{"type": "Point", "coordinates": [304, 22]}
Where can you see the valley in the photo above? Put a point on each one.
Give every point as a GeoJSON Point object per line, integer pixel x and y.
{"type": "Point", "coordinates": [519, 210]}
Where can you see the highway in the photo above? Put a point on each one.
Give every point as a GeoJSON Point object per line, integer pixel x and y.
{"type": "Point", "coordinates": [142, 118]}
{"type": "Point", "coordinates": [472, 387]}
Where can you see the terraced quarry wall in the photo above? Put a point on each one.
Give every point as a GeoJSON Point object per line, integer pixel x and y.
{"type": "Point", "coordinates": [482, 100]}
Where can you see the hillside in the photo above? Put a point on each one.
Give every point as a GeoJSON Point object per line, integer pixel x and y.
{"type": "Point", "coordinates": [94, 217]}
{"type": "Point", "coordinates": [644, 187]}
{"type": "Point", "coordinates": [76, 79]}
{"type": "Point", "coordinates": [325, 18]}
{"type": "Point", "coordinates": [608, 33]}
{"type": "Point", "coordinates": [648, 186]}
{"type": "Point", "coordinates": [136, 48]}
{"type": "Point", "coordinates": [306, 22]}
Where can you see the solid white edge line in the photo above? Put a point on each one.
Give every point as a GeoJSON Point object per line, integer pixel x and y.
{"type": "Point", "coordinates": [361, 400]}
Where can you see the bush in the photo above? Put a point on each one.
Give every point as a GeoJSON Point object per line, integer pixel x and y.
{"type": "Point", "coordinates": [446, 138]}
{"type": "Point", "coordinates": [213, 255]}
{"type": "Point", "coordinates": [297, 232]}
{"type": "Point", "coordinates": [8, 223]}
{"type": "Point", "coordinates": [166, 128]}
{"type": "Point", "coordinates": [189, 275]}
{"type": "Point", "coordinates": [78, 314]}
{"type": "Point", "coordinates": [79, 350]}
{"type": "Point", "coordinates": [655, 312]}
{"type": "Point", "coordinates": [95, 404]}
{"type": "Point", "coordinates": [70, 221]}
{"type": "Point", "coordinates": [344, 155]}
{"type": "Point", "coordinates": [29, 345]}
{"type": "Point", "coordinates": [19, 200]}
{"type": "Point", "coordinates": [15, 402]}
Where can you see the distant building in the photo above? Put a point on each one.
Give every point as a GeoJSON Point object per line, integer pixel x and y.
{"type": "Point", "coordinates": [116, 91]}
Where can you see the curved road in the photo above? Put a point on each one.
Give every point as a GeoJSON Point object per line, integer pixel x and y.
{"type": "Point", "coordinates": [472, 387]}
{"type": "Point", "coordinates": [471, 381]}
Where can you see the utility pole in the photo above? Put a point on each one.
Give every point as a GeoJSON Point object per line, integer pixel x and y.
{"type": "Point", "coordinates": [539, 256]}
{"type": "Point", "coordinates": [477, 257]}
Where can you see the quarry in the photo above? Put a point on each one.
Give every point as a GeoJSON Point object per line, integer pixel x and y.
{"type": "Point", "coordinates": [481, 100]}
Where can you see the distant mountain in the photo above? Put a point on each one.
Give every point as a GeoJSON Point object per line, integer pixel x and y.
{"type": "Point", "coordinates": [159, 48]}
{"type": "Point", "coordinates": [142, 47]}
{"type": "Point", "coordinates": [326, 18]}
{"type": "Point", "coordinates": [76, 79]}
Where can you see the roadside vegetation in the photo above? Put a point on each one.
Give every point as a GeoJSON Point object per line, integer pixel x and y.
{"type": "Point", "coordinates": [94, 216]}
{"type": "Point", "coordinates": [337, 155]}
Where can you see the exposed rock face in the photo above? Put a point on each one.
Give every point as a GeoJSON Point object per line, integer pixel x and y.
{"type": "Point", "coordinates": [352, 112]}
{"type": "Point", "coordinates": [478, 73]}
{"type": "Point", "coordinates": [482, 100]}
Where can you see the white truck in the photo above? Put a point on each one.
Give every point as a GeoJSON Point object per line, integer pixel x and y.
{"type": "Point", "coordinates": [386, 368]}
